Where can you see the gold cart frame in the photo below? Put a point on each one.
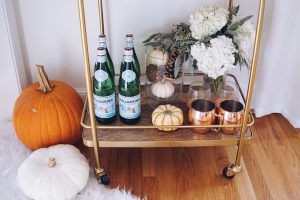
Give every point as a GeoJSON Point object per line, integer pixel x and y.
{"type": "Point", "coordinates": [88, 114]}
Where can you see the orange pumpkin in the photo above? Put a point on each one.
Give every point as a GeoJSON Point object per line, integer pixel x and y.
{"type": "Point", "coordinates": [48, 113]}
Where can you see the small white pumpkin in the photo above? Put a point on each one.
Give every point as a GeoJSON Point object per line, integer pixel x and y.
{"type": "Point", "coordinates": [167, 115]}
{"type": "Point", "coordinates": [58, 172]}
{"type": "Point", "coordinates": [158, 57]}
{"type": "Point", "coordinates": [163, 89]}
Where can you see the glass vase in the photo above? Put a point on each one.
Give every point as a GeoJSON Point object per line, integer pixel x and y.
{"type": "Point", "coordinates": [222, 89]}
{"type": "Point", "coordinates": [214, 84]}
{"type": "Point", "coordinates": [162, 87]}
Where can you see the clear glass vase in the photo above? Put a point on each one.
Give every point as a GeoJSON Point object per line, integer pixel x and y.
{"type": "Point", "coordinates": [222, 89]}
{"type": "Point", "coordinates": [214, 84]}
{"type": "Point", "coordinates": [162, 87]}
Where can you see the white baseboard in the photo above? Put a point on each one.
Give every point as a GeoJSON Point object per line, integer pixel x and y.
{"type": "Point", "coordinates": [15, 44]}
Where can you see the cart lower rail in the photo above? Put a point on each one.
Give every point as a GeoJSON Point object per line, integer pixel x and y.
{"type": "Point", "coordinates": [146, 139]}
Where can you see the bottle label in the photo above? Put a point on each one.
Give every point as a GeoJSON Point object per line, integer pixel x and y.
{"type": "Point", "coordinates": [128, 58]}
{"type": "Point", "coordinates": [101, 75]}
{"type": "Point", "coordinates": [130, 107]}
{"type": "Point", "coordinates": [128, 75]}
{"type": "Point", "coordinates": [101, 59]}
{"type": "Point", "coordinates": [105, 106]}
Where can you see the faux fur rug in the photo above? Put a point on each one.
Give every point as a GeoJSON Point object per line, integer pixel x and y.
{"type": "Point", "coordinates": [13, 153]}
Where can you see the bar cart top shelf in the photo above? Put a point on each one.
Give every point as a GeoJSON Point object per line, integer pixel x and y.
{"type": "Point", "coordinates": [144, 134]}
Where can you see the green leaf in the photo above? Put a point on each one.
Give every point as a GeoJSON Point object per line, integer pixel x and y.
{"type": "Point", "coordinates": [195, 64]}
{"type": "Point", "coordinates": [178, 65]}
{"type": "Point", "coordinates": [234, 26]}
{"type": "Point", "coordinates": [235, 10]}
{"type": "Point", "coordinates": [164, 36]}
{"type": "Point", "coordinates": [167, 42]}
{"type": "Point", "coordinates": [237, 59]}
{"type": "Point", "coordinates": [184, 25]}
{"type": "Point", "coordinates": [191, 67]}
{"type": "Point", "coordinates": [174, 45]}
{"type": "Point", "coordinates": [242, 21]}
{"type": "Point", "coordinates": [167, 47]}
{"type": "Point", "coordinates": [185, 56]}
{"type": "Point", "coordinates": [153, 44]}
{"type": "Point", "coordinates": [207, 39]}
{"type": "Point", "coordinates": [246, 63]}
{"type": "Point", "coordinates": [230, 32]}
{"type": "Point", "coordinates": [150, 38]}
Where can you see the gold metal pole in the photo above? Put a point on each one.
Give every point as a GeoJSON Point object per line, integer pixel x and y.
{"type": "Point", "coordinates": [88, 80]}
{"type": "Point", "coordinates": [230, 4]}
{"type": "Point", "coordinates": [251, 79]}
{"type": "Point", "coordinates": [101, 18]}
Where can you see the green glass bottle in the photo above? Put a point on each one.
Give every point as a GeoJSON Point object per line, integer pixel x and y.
{"type": "Point", "coordinates": [130, 44]}
{"type": "Point", "coordinates": [103, 43]}
{"type": "Point", "coordinates": [104, 90]}
{"type": "Point", "coordinates": [129, 90]}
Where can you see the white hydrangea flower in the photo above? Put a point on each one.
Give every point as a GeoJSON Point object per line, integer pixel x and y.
{"type": "Point", "coordinates": [215, 59]}
{"type": "Point", "coordinates": [245, 37]}
{"type": "Point", "coordinates": [207, 21]}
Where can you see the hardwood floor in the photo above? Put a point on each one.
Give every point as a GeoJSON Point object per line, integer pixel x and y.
{"type": "Point", "coordinates": [271, 167]}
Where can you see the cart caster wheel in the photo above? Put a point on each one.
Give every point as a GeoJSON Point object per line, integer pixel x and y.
{"type": "Point", "coordinates": [104, 179]}
{"type": "Point", "coordinates": [225, 173]}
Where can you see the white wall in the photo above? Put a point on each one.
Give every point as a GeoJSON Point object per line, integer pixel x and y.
{"type": "Point", "coordinates": [9, 83]}
{"type": "Point", "coordinates": [50, 32]}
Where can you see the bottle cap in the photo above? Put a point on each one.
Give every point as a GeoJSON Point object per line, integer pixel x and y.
{"type": "Point", "coordinates": [102, 38]}
{"type": "Point", "coordinates": [101, 51]}
{"type": "Point", "coordinates": [128, 51]}
{"type": "Point", "coordinates": [129, 37]}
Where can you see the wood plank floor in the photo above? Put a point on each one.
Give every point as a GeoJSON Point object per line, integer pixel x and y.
{"type": "Point", "coordinates": [271, 167]}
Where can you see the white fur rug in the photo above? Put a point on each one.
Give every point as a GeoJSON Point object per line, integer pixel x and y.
{"type": "Point", "coordinates": [13, 153]}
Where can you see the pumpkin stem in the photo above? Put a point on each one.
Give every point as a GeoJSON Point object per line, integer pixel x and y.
{"type": "Point", "coordinates": [51, 162]}
{"type": "Point", "coordinates": [45, 85]}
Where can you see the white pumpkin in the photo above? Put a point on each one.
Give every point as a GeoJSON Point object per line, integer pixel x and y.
{"type": "Point", "coordinates": [55, 173]}
{"type": "Point", "coordinates": [158, 57]}
{"type": "Point", "coordinates": [163, 89]}
{"type": "Point", "coordinates": [167, 115]}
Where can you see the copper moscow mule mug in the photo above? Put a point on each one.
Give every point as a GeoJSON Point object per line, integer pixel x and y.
{"type": "Point", "coordinates": [202, 112]}
{"type": "Point", "coordinates": [231, 113]}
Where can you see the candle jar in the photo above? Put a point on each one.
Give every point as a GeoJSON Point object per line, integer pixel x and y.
{"type": "Point", "coordinates": [162, 85]}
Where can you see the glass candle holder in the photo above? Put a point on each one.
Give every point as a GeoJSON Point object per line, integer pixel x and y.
{"type": "Point", "coordinates": [198, 90]}
{"type": "Point", "coordinates": [228, 90]}
{"type": "Point", "coordinates": [162, 87]}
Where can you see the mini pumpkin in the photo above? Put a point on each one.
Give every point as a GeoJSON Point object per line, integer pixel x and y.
{"type": "Point", "coordinates": [163, 89]}
{"type": "Point", "coordinates": [158, 57]}
{"type": "Point", "coordinates": [167, 115]}
{"type": "Point", "coordinates": [58, 172]}
{"type": "Point", "coordinates": [48, 113]}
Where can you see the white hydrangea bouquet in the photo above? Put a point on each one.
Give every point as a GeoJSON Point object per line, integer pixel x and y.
{"type": "Point", "coordinates": [215, 40]}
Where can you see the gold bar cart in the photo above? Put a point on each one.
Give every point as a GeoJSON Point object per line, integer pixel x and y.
{"type": "Point", "coordinates": [118, 135]}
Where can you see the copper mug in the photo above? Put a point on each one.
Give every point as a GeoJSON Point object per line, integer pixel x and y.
{"type": "Point", "coordinates": [231, 113]}
{"type": "Point", "coordinates": [202, 112]}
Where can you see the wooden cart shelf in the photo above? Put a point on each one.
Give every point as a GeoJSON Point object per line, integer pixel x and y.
{"type": "Point", "coordinates": [144, 134]}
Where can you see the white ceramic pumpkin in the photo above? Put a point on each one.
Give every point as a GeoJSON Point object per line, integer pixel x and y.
{"type": "Point", "coordinates": [167, 115]}
{"type": "Point", "coordinates": [55, 173]}
{"type": "Point", "coordinates": [162, 89]}
{"type": "Point", "coordinates": [158, 57]}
